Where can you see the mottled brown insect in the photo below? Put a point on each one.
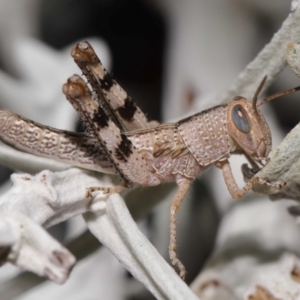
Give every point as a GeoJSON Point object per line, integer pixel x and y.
{"type": "Point", "coordinates": [121, 139]}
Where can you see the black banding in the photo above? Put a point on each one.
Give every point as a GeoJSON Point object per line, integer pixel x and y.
{"type": "Point", "coordinates": [107, 82]}
{"type": "Point", "coordinates": [120, 156]}
{"type": "Point", "coordinates": [101, 118]}
{"type": "Point", "coordinates": [128, 110]}
{"type": "Point", "coordinates": [124, 148]}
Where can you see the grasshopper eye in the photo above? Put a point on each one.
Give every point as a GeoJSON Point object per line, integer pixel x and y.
{"type": "Point", "coordinates": [240, 118]}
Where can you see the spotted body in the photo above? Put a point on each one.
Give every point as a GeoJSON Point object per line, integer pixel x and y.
{"type": "Point", "coordinates": [206, 135]}
{"type": "Point", "coordinates": [121, 139]}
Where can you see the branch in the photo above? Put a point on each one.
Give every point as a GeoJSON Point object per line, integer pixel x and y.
{"type": "Point", "coordinates": [270, 61]}
{"type": "Point", "coordinates": [117, 231]}
{"type": "Point", "coordinates": [253, 259]}
{"type": "Point", "coordinates": [41, 199]}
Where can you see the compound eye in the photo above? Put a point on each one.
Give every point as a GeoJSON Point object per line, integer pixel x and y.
{"type": "Point", "coordinates": [240, 118]}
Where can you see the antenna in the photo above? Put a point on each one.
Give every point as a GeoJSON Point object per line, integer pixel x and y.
{"type": "Point", "coordinates": [254, 101]}
{"type": "Point", "coordinates": [279, 94]}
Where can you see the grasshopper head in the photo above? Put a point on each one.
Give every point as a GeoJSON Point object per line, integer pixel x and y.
{"type": "Point", "coordinates": [248, 127]}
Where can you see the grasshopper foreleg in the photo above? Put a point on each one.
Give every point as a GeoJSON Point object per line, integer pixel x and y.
{"type": "Point", "coordinates": [232, 186]}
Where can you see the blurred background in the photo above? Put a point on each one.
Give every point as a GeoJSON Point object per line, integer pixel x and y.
{"type": "Point", "coordinates": [168, 55]}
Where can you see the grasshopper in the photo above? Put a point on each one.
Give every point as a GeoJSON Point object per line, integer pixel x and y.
{"type": "Point", "coordinates": [120, 138]}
